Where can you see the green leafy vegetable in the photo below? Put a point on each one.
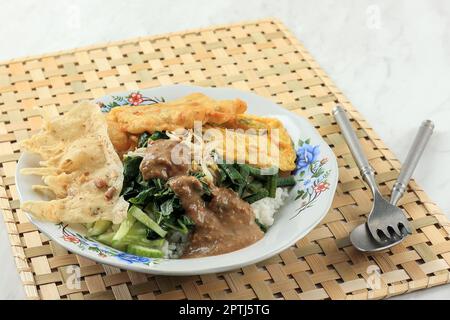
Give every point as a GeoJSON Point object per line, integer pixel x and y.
{"type": "Point", "coordinates": [167, 207]}
{"type": "Point", "coordinates": [141, 197]}
{"type": "Point", "coordinates": [158, 135]}
{"type": "Point", "coordinates": [186, 221]}
{"type": "Point", "coordinates": [143, 140]}
{"type": "Point", "coordinates": [131, 167]}
{"type": "Point", "coordinates": [251, 183]}
{"type": "Point", "coordinates": [205, 186]}
{"type": "Point", "coordinates": [263, 227]}
{"type": "Point", "coordinates": [131, 173]}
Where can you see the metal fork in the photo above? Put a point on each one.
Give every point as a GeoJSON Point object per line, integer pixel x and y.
{"type": "Point", "coordinates": [385, 219]}
{"type": "Point", "coordinates": [360, 236]}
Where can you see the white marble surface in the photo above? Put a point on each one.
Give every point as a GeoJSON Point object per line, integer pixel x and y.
{"type": "Point", "coordinates": [391, 59]}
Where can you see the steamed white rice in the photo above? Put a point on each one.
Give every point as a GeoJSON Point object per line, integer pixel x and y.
{"type": "Point", "coordinates": [173, 248]}
{"type": "Point", "coordinates": [266, 208]}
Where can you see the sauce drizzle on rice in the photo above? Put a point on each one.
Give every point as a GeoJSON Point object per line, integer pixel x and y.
{"type": "Point", "coordinates": [223, 225]}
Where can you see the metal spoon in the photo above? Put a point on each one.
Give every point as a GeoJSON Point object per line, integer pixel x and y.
{"type": "Point", "coordinates": [361, 237]}
{"type": "Point", "coordinates": [384, 219]}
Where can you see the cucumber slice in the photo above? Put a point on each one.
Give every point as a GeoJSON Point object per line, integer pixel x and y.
{"type": "Point", "coordinates": [156, 244]}
{"type": "Point", "coordinates": [146, 220]}
{"type": "Point", "coordinates": [138, 229]}
{"type": "Point", "coordinates": [99, 227]}
{"type": "Point", "coordinates": [119, 245]}
{"type": "Point", "coordinates": [105, 238]}
{"type": "Point", "coordinates": [144, 251]}
{"type": "Point", "coordinates": [125, 226]}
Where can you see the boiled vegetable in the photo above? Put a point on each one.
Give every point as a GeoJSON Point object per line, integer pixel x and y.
{"type": "Point", "coordinates": [99, 227]}
{"type": "Point", "coordinates": [272, 185]}
{"type": "Point", "coordinates": [125, 226]}
{"type": "Point", "coordinates": [146, 220]}
{"type": "Point", "coordinates": [286, 181]}
{"type": "Point", "coordinates": [144, 251]}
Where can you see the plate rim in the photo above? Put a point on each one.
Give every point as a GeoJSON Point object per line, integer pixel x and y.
{"type": "Point", "coordinates": [205, 269]}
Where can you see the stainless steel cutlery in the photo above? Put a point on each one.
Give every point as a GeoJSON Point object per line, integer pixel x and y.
{"type": "Point", "coordinates": [386, 224]}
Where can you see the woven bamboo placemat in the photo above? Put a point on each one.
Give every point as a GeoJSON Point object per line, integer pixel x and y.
{"type": "Point", "coordinates": [261, 56]}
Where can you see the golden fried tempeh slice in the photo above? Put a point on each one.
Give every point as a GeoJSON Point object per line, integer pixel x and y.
{"type": "Point", "coordinates": [121, 140]}
{"type": "Point", "coordinates": [181, 113]}
{"type": "Point", "coordinates": [282, 141]}
{"type": "Point", "coordinates": [176, 114]}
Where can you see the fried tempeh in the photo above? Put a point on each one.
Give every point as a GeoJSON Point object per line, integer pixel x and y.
{"type": "Point", "coordinates": [126, 121]}
{"type": "Point", "coordinates": [282, 141]}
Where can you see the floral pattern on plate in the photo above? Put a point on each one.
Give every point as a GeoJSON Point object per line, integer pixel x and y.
{"type": "Point", "coordinates": [133, 99]}
{"type": "Point", "coordinates": [311, 175]}
{"type": "Point", "coordinates": [101, 250]}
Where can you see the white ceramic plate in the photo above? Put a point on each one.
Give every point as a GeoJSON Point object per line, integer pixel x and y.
{"type": "Point", "coordinates": [317, 177]}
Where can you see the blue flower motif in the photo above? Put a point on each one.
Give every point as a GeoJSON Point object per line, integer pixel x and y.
{"type": "Point", "coordinates": [320, 179]}
{"type": "Point", "coordinates": [307, 183]}
{"type": "Point", "coordinates": [131, 258]}
{"type": "Point", "coordinates": [306, 155]}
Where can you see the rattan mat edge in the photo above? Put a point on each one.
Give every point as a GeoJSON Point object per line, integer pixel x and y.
{"type": "Point", "coordinates": [262, 56]}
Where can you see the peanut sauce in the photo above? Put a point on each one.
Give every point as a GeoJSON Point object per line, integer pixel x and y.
{"type": "Point", "coordinates": [224, 224]}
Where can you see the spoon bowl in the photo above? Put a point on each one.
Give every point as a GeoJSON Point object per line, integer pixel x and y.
{"type": "Point", "coordinates": [362, 240]}
{"type": "Point", "coordinates": [361, 237]}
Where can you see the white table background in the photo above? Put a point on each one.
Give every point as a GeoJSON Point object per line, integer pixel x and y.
{"type": "Point", "coordinates": [390, 58]}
